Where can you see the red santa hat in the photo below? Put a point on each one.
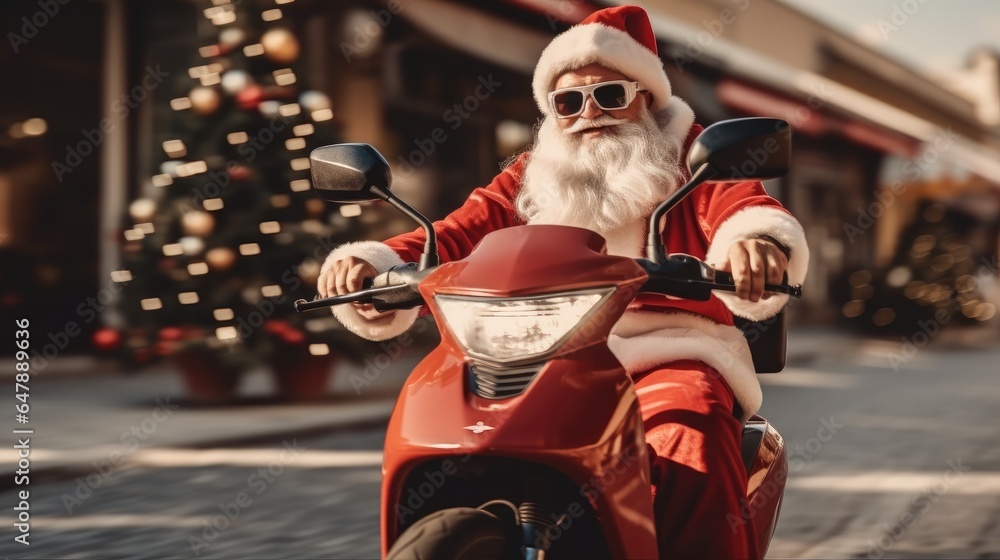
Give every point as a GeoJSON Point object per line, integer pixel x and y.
{"type": "Point", "coordinates": [620, 39]}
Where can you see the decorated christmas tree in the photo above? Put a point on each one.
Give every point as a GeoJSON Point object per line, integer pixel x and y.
{"type": "Point", "coordinates": [227, 233]}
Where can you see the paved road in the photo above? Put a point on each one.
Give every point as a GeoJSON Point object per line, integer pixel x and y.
{"type": "Point", "coordinates": [885, 463]}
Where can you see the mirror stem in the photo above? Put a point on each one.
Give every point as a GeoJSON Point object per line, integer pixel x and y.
{"type": "Point", "coordinates": [430, 256]}
{"type": "Point", "coordinates": [655, 251]}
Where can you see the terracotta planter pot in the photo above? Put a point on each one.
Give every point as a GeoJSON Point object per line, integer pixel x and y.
{"type": "Point", "coordinates": [300, 376]}
{"type": "Point", "coordinates": [208, 379]}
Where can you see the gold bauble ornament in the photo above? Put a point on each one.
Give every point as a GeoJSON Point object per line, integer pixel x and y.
{"type": "Point", "coordinates": [197, 222]}
{"type": "Point", "coordinates": [315, 207]}
{"type": "Point", "coordinates": [204, 100]}
{"type": "Point", "coordinates": [220, 258]}
{"type": "Point", "coordinates": [280, 45]}
{"type": "Point", "coordinates": [142, 210]}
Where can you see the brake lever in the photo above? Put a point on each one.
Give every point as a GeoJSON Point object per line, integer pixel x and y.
{"type": "Point", "coordinates": [364, 295]}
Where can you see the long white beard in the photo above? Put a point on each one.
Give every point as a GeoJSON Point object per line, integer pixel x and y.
{"type": "Point", "coordinates": [603, 183]}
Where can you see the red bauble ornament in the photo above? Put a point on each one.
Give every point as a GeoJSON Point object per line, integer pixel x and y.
{"type": "Point", "coordinates": [293, 336]}
{"type": "Point", "coordinates": [171, 333]}
{"type": "Point", "coordinates": [239, 173]}
{"type": "Point", "coordinates": [106, 339]}
{"type": "Point", "coordinates": [250, 97]}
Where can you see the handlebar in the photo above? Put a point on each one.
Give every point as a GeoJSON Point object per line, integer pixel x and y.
{"type": "Point", "coordinates": [688, 277]}
{"type": "Point", "coordinates": [679, 275]}
{"type": "Point", "coordinates": [395, 288]}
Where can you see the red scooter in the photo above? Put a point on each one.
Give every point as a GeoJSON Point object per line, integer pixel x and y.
{"type": "Point", "coordinates": [520, 435]}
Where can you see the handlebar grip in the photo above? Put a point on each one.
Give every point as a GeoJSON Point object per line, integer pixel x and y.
{"type": "Point", "coordinates": [724, 281]}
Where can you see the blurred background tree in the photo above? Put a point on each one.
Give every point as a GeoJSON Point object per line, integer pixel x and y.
{"type": "Point", "coordinates": [228, 233]}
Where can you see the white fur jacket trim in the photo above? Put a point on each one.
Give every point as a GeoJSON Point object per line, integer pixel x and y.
{"type": "Point", "coordinates": [753, 222]}
{"type": "Point", "coordinates": [643, 340]}
{"type": "Point", "coordinates": [382, 258]}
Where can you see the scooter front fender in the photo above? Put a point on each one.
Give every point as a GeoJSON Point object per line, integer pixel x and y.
{"type": "Point", "coordinates": [579, 416]}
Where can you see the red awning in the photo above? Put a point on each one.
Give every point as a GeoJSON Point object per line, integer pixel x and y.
{"type": "Point", "coordinates": [562, 10]}
{"type": "Point", "coordinates": [808, 117]}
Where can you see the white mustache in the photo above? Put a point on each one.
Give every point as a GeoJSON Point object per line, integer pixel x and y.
{"type": "Point", "coordinates": [585, 124]}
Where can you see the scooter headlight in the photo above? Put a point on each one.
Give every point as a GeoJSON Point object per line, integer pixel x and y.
{"type": "Point", "coordinates": [517, 329]}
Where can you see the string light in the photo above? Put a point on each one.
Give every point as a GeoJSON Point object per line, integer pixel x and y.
{"type": "Point", "coordinates": [213, 204]}
{"type": "Point", "coordinates": [319, 349]}
{"type": "Point", "coordinates": [255, 49]}
{"type": "Point", "coordinates": [249, 249]}
{"type": "Point", "coordinates": [284, 77]}
{"type": "Point", "coordinates": [223, 314]}
{"type": "Point", "coordinates": [226, 333]}
{"type": "Point", "coordinates": [210, 79]}
{"type": "Point", "coordinates": [188, 298]}
{"type": "Point", "coordinates": [320, 115]}
{"type": "Point", "coordinates": [270, 291]}
{"type": "Point", "coordinates": [173, 249]}
{"type": "Point", "coordinates": [175, 148]}
{"type": "Point", "coordinates": [162, 180]}
{"type": "Point", "coordinates": [350, 210]}
{"type": "Point", "coordinates": [289, 110]}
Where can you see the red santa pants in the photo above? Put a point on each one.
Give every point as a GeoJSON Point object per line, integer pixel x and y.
{"type": "Point", "coordinates": [697, 473]}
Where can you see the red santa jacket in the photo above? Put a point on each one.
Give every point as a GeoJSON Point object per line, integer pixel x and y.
{"type": "Point", "coordinates": [704, 224]}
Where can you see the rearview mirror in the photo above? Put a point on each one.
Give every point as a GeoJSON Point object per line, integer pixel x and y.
{"type": "Point", "coordinates": [742, 149]}
{"type": "Point", "coordinates": [748, 149]}
{"type": "Point", "coordinates": [350, 173]}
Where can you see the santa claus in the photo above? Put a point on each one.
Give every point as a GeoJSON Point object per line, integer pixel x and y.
{"type": "Point", "coordinates": [610, 148]}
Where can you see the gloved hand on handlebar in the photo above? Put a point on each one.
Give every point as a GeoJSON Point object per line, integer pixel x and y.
{"type": "Point", "coordinates": [348, 275]}
{"type": "Point", "coordinates": [754, 262]}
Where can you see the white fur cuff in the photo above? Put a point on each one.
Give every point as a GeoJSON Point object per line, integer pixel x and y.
{"type": "Point", "coordinates": [382, 258]}
{"type": "Point", "coordinates": [756, 221]}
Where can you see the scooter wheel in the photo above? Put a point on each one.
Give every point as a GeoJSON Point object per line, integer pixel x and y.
{"type": "Point", "coordinates": [455, 534]}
